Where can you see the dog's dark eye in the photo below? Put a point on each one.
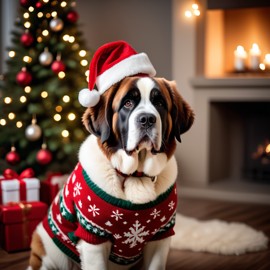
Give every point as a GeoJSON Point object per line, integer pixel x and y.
{"type": "Point", "coordinates": [159, 102]}
{"type": "Point", "coordinates": [128, 104]}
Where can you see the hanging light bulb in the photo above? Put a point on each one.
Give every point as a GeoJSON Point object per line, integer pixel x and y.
{"type": "Point", "coordinates": [11, 116]}
{"type": "Point", "coordinates": [71, 116]}
{"type": "Point", "coordinates": [23, 99]}
{"type": "Point", "coordinates": [27, 89]}
{"type": "Point", "coordinates": [27, 59]}
{"type": "Point", "coordinates": [66, 98]}
{"type": "Point", "coordinates": [194, 11]}
{"type": "Point", "coordinates": [59, 108]}
{"type": "Point", "coordinates": [82, 53]}
{"type": "Point", "coordinates": [61, 75]}
{"type": "Point", "coordinates": [11, 54]}
{"type": "Point", "coordinates": [45, 33]}
{"type": "Point", "coordinates": [7, 100]}
{"type": "Point", "coordinates": [44, 94]}
{"type": "Point", "coordinates": [63, 4]}
{"type": "Point", "coordinates": [71, 39]}
{"type": "Point", "coordinates": [65, 133]}
{"type": "Point", "coordinates": [3, 122]}
{"type": "Point", "coordinates": [27, 24]}
{"type": "Point", "coordinates": [54, 14]}
{"type": "Point", "coordinates": [66, 37]}
{"type": "Point", "coordinates": [84, 63]}
{"type": "Point", "coordinates": [57, 117]}
{"type": "Point", "coordinates": [19, 124]}
{"type": "Point", "coordinates": [26, 15]}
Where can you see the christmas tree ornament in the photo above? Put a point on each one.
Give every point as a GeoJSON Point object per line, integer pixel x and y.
{"type": "Point", "coordinates": [44, 156]}
{"type": "Point", "coordinates": [24, 77]}
{"type": "Point", "coordinates": [39, 4]}
{"type": "Point", "coordinates": [33, 132]}
{"type": "Point", "coordinates": [27, 3]}
{"type": "Point", "coordinates": [72, 16]}
{"type": "Point", "coordinates": [27, 39]}
{"type": "Point", "coordinates": [45, 58]}
{"type": "Point", "coordinates": [56, 24]}
{"type": "Point", "coordinates": [13, 157]}
{"type": "Point", "coordinates": [58, 65]}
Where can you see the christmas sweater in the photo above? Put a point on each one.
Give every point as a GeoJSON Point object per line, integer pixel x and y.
{"type": "Point", "coordinates": [82, 210]}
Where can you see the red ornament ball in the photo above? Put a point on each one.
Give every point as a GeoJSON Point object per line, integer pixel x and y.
{"type": "Point", "coordinates": [27, 3]}
{"type": "Point", "coordinates": [13, 157]}
{"type": "Point", "coordinates": [44, 156]}
{"type": "Point", "coordinates": [72, 16]}
{"type": "Point", "coordinates": [24, 77]}
{"type": "Point", "coordinates": [58, 66]}
{"type": "Point", "coordinates": [27, 39]}
{"type": "Point", "coordinates": [39, 5]}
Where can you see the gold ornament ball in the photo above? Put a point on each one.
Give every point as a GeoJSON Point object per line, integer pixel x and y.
{"type": "Point", "coordinates": [45, 58]}
{"type": "Point", "coordinates": [56, 24]}
{"type": "Point", "coordinates": [33, 132]}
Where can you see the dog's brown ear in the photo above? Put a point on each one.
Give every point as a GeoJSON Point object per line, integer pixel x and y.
{"type": "Point", "coordinates": [182, 114]}
{"type": "Point", "coordinates": [98, 119]}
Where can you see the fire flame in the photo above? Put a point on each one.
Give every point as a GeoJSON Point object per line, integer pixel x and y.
{"type": "Point", "coordinates": [267, 149]}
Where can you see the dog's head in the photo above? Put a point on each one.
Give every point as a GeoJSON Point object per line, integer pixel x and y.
{"type": "Point", "coordinates": [138, 121]}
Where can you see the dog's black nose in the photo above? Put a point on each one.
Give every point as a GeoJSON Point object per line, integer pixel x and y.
{"type": "Point", "coordinates": [146, 120]}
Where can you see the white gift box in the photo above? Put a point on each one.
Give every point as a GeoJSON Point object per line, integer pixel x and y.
{"type": "Point", "coordinates": [11, 189]}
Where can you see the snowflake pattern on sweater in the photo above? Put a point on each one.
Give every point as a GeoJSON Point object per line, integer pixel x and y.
{"type": "Point", "coordinates": [82, 210]}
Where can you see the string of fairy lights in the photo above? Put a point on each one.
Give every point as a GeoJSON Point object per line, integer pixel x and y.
{"type": "Point", "coordinates": [27, 59]}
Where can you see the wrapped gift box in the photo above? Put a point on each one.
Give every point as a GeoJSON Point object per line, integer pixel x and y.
{"type": "Point", "coordinates": [15, 188]}
{"type": "Point", "coordinates": [51, 186]}
{"type": "Point", "coordinates": [18, 222]}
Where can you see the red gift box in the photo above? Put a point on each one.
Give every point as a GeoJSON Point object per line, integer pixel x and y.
{"type": "Point", "coordinates": [51, 186]}
{"type": "Point", "coordinates": [18, 222]}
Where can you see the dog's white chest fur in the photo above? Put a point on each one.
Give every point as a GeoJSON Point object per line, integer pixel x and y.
{"type": "Point", "coordinates": [136, 190]}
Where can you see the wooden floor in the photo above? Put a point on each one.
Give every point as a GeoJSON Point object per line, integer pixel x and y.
{"type": "Point", "coordinates": [257, 216]}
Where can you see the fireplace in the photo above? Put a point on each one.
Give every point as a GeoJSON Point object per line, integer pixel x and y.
{"type": "Point", "coordinates": [240, 141]}
{"type": "Point", "coordinates": [257, 143]}
{"type": "Point", "coordinates": [226, 153]}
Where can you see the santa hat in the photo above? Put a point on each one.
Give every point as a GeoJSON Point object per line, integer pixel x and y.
{"type": "Point", "coordinates": [110, 64]}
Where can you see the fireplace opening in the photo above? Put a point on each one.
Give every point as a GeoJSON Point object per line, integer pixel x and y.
{"type": "Point", "coordinates": [240, 142]}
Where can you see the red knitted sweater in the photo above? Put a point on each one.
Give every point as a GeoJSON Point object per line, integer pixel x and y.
{"type": "Point", "coordinates": [83, 211]}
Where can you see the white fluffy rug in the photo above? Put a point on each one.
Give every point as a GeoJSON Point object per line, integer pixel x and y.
{"type": "Point", "coordinates": [216, 236]}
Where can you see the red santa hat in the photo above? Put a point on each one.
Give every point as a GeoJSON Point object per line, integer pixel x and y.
{"type": "Point", "coordinates": [110, 64]}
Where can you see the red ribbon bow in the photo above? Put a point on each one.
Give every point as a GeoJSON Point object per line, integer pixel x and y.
{"type": "Point", "coordinates": [10, 174]}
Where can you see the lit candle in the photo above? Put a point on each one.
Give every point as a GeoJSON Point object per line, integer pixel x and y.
{"type": "Point", "coordinates": [267, 61]}
{"type": "Point", "coordinates": [255, 54]}
{"type": "Point", "coordinates": [240, 56]}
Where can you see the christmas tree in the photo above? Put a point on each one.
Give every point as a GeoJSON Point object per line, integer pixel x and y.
{"type": "Point", "coordinates": [40, 117]}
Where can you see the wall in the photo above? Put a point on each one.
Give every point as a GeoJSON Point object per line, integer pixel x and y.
{"type": "Point", "coordinates": [184, 69]}
{"type": "Point", "coordinates": [144, 24]}
{"type": "Point", "coordinates": [8, 11]}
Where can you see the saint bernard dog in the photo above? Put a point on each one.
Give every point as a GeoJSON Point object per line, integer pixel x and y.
{"type": "Point", "coordinates": [118, 207]}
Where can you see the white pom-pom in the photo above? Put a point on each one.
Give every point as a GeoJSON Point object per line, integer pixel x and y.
{"type": "Point", "coordinates": [89, 98]}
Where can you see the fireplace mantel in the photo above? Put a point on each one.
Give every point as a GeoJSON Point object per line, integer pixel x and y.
{"type": "Point", "coordinates": [218, 160]}
{"type": "Point", "coordinates": [236, 82]}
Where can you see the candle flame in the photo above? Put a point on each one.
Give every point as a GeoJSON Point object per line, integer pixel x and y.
{"type": "Point", "coordinates": [267, 149]}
